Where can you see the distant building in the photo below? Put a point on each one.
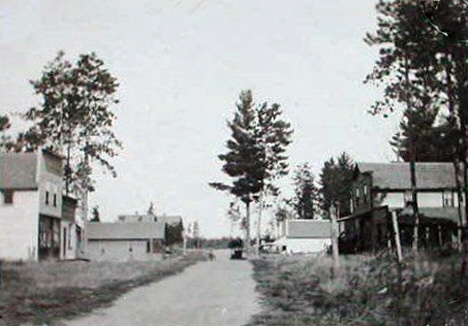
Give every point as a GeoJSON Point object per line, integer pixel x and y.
{"type": "Point", "coordinates": [36, 221]}
{"type": "Point", "coordinates": [125, 241]}
{"type": "Point", "coordinates": [305, 236]}
{"type": "Point", "coordinates": [169, 219]}
{"type": "Point", "coordinates": [381, 188]}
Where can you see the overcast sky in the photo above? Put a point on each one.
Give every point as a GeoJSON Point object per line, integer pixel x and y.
{"type": "Point", "coordinates": [181, 65]}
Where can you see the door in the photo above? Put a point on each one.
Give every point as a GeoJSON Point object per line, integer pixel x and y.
{"type": "Point", "coordinates": [64, 242]}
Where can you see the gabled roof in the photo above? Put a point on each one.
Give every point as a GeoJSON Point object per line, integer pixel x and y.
{"type": "Point", "coordinates": [125, 231]}
{"type": "Point", "coordinates": [18, 170]}
{"type": "Point", "coordinates": [311, 229]}
{"type": "Point", "coordinates": [397, 175]}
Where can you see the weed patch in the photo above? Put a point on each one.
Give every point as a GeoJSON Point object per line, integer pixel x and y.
{"type": "Point", "coordinates": [365, 291]}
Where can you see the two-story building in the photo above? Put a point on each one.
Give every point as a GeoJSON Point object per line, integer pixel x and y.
{"type": "Point", "coordinates": [381, 188]}
{"type": "Point", "coordinates": [36, 220]}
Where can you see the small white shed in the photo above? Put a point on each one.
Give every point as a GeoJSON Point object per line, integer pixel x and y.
{"type": "Point", "coordinates": [306, 236]}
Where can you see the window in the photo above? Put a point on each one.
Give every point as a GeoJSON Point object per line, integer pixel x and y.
{"type": "Point", "coordinates": [365, 193]}
{"type": "Point", "coordinates": [8, 196]}
{"type": "Point", "coordinates": [47, 198]}
{"type": "Point", "coordinates": [357, 197]}
{"type": "Point", "coordinates": [447, 199]}
{"type": "Point", "coordinates": [148, 246]}
{"type": "Point", "coordinates": [55, 200]}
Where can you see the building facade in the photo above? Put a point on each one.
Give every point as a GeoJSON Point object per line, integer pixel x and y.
{"type": "Point", "coordinates": [125, 241]}
{"type": "Point", "coordinates": [382, 188]}
{"type": "Point", "coordinates": [31, 208]}
{"type": "Point", "coordinates": [305, 236]}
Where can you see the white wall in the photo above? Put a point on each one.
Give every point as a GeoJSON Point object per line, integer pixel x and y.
{"type": "Point", "coordinates": [19, 226]}
{"type": "Point", "coordinates": [425, 199]}
{"type": "Point", "coordinates": [394, 200]}
{"type": "Point", "coordinates": [307, 245]}
{"type": "Point", "coordinates": [430, 199]}
{"type": "Point", "coordinates": [119, 250]}
{"type": "Point", "coordinates": [52, 183]}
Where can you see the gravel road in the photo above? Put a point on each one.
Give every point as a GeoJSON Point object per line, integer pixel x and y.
{"type": "Point", "coordinates": [215, 293]}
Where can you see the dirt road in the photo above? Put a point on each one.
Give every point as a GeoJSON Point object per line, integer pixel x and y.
{"type": "Point", "coordinates": [217, 293]}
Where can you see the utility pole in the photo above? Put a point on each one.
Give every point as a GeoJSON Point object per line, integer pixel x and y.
{"type": "Point", "coordinates": [412, 134]}
{"type": "Point", "coordinates": [334, 237]}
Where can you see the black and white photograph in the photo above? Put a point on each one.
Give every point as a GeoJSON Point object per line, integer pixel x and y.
{"type": "Point", "coordinates": [234, 163]}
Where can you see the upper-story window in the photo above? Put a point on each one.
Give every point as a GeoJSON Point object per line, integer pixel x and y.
{"type": "Point", "coordinates": [365, 193]}
{"type": "Point", "coordinates": [55, 200]}
{"type": "Point", "coordinates": [47, 195]}
{"type": "Point", "coordinates": [357, 197]}
{"type": "Point", "coordinates": [8, 196]}
{"type": "Point", "coordinates": [447, 199]}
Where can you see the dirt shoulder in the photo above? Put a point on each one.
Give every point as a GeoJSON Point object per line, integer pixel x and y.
{"type": "Point", "coordinates": [367, 291]}
{"type": "Point", "coordinates": [39, 293]}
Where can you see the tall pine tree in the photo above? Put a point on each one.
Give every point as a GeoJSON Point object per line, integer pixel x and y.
{"type": "Point", "coordinates": [256, 152]}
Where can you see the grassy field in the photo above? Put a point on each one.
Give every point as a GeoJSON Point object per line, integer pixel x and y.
{"type": "Point", "coordinates": [41, 292]}
{"type": "Point", "coordinates": [366, 291]}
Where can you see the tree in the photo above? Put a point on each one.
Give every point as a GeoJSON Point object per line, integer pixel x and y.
{"type": "Point", "coordinates": [74, 118]}
{"type": "Point", "coordinates": [256, 152]}
{"type": "Point", "coordinates": [196, 233]}
{"type": "Point", "coordinates": [306, 193]}
{"type": "Point", "coordinates": [174, 234]}
{"type": "Point", "coordinates": [5, 140]}
{"type": "Point", "coordinates": [150, 210]}
{"type": "Point", "coordinates": [281, 214]}
{"type": "Point", "coordinates": [422, 65]}
{"type": "Point", "coordinates": [95, 215]}
{"type": "Point", "coordinates": [432, 141]}
{"type": "Point", "coordinates": [336, 183]}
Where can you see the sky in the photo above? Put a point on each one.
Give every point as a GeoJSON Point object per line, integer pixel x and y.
{"type": "Point", "coordinates": [181, 65]}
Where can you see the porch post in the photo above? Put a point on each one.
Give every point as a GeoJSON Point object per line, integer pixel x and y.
{"type": "Point", "coordinates": [397, 235]}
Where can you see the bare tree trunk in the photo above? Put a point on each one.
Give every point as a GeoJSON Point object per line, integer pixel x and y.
{"type": "Point", "coordinates": [259, 226]}
{"type": "Point", "coordinates": [247, 225]}
{"type": "Point", "coordinates": [414, 203]}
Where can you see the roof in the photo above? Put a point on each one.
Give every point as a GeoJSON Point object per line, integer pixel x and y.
{"type": "Point", "coordinates": [170, 219]}
{"type": "Point", "coordinates": [150, 218]}
{"type": "Point", "coordinates": [125, 231]}
{"type": "Point", "coordinates": [448, 213]}
{"type": "Point", "coordinates": [18, 170]}
{"type": "Point", "coordinates": [308, 229]}
{"type": "Point", "coordinates": [397, 175]}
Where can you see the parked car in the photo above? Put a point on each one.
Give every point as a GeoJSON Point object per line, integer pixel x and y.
{"type": "Point", "coordinates": [237, 247]}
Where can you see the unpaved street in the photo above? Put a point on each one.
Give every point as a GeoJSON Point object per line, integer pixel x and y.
{"type": "Point", "coordinates": [217, 293]}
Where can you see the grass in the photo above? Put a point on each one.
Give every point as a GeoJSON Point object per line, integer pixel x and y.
{"type": "Point", "coordinates": [40, 293]}
{"type": "Point", "coordinates": [367, 290]}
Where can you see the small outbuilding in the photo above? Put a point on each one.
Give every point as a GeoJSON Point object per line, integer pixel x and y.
{"type": "Point", "coordinates": [125, 241]}
{"type": "Point", "coordinates": [305, 236]}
